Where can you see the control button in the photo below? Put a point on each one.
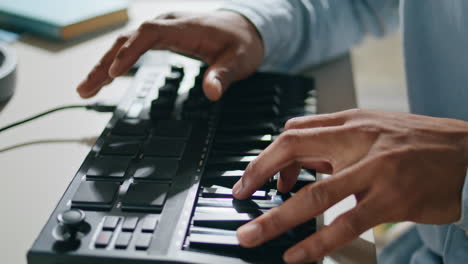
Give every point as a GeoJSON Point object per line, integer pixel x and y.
{"type": "Point", "coordinates": [159, 169]}
{"type": "Point", "coordinates": [143, 241]}
{"type": "Point", "coordinates": [107, 167]}
{"type": "Point", "coordinates": [110, 222]}
{"type": "Point", "coordinates": [130, 127]}
{"type": "Point", "coordinates": [172, 128]}
{"type": "Point", "coordinates": [149, 224]}
{"type": "Point", "coordinates": [145, 197]}
{"type": "Point", "coordinates": [123, 240]}
{"type": "Point", "coordinates": [121, 146]}
{"type": "Point", "coordinates": [103, 239]}
{"type": "Point", "coordinates": [165, 147]}
{"type": "Point", "coordinates": [130, 223]}
{"type": "Point", "coordinates": [135, 110]}
{"type": "Point", "coordinates": [95, 194]}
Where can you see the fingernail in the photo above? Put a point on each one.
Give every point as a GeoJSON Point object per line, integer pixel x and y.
{"type": "Point", "coordinates": [217, 83]}
{"type": "Point", "coordinates": [297, 255]}
{"type": "Point", "coordinates": [113, 69]}
{"type": "Point", "coordinates": [237, 188]}
{"type": "Point", "coordinates": [249, 233]}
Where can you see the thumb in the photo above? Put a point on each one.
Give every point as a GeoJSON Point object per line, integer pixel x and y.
{"type": "Point", "coordinates": [219, 76]}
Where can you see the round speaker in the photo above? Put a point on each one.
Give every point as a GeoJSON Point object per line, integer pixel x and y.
{"type": "Point", "coordinates": [7, 72]}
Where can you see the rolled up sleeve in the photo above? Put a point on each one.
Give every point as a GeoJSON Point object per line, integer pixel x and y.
{"type": "Point", "coordinates": [463, 222]}
{"type": "Point", "coordinates": [299, 33]}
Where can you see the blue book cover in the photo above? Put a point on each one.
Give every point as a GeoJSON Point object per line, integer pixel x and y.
{"type": "Point", "coordinates": [62, 19]}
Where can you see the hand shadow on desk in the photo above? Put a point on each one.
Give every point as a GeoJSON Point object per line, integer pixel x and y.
{"type": "Point", "coordinates": [88, 141]}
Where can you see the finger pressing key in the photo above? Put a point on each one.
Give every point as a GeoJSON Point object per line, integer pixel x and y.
{"type": "Point", "coordinates": [289, 147]}
{"type": "Point", "coordinates": [309, 202]}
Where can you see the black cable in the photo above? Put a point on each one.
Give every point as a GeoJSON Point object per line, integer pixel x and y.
{"type": "Point", "coordinates": [95, 107]}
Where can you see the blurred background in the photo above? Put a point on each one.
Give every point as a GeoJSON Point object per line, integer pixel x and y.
{"type": "Point", "coordinates": [378, 74]}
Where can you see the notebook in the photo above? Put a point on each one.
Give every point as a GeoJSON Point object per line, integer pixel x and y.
{"type": "Point", "coordinates": [62, 19]}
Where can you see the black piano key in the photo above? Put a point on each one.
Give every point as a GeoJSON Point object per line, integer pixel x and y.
{"type": "Point", "coordinates": [221, 220]}
{"type": "Point", "coordinates": [249, 113]}
{"type": "Point", "coordinates": [228, 245]}
{"type": "Point", "coordinates": [222, 178]}
{"type": "Point", "coordinates": [240, 205]}
{"type": "Point", "coordinates": [229, 150]}
{"type": "Point", "coordinates": [229, 162]}
{"type": "Point", "coordinates": [254, 142]}
{"type": "Point", "coordinates": [262, 99]}
{"type": "Point", "coordinates": [246, 128]}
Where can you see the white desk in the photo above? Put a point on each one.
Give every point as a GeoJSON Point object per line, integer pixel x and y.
{"type": "Point", "coordinates": [39, 159]}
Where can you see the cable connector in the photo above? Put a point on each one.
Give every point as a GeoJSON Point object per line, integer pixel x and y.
{"type": "Point", "coordinates": [101, 107]}
{"type": "Point", "coordinates": [98, 107]}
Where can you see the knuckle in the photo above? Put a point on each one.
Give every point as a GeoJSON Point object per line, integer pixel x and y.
{"type": "Point", "coordinates": [273, 220]}
{"type": "Point", "coordinates": [289, 138]}
{"type": "Point", "coordinates": [317, 194]}
{"type": "Point", "coordinates": [320, 248]}
{"type": "Point", "coordinates": [292, 123]}
{"type": "Point", "coordinates": [252, 168]}
{"type": "Point", "coordinates": [122, 38]}
{"type": "Point", "coordinates": [354, 113]}
{"type": "Point", "coordinates": [168, 15]}
{"type": "Point", "coordinates": [351, 224]}
{"type": "Point", "coordinates": [146, 26]}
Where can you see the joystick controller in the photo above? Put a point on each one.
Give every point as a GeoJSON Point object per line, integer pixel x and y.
{"type": "Point", "coordinates": [71, 225]}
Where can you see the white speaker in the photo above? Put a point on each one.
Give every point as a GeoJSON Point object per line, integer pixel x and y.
{"type": "Point", "coordinates": [7, 72]}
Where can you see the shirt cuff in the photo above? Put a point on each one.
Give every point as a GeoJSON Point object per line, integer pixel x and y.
{"type": "Point", "coordinates": [261, 22]}
{"type": "Point", "coordinates": [463, 222]}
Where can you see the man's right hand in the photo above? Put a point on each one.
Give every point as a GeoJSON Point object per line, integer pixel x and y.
{"type": "Point", "coordinates": [225, 40]}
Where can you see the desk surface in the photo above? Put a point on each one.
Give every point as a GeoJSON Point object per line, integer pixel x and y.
{"type": "Point", "coordinates": [39, 159]}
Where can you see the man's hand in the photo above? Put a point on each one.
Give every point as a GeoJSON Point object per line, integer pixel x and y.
{"type": "Point", "coordinates": [228, 42]}
{"type": "Point", "coordinates": [400, 167]}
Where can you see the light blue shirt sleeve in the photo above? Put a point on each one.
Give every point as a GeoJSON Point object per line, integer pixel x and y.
{"type": "Point", "coordinates": [300, 33]}
{"type": "Point", "coordinates": [463, 222]}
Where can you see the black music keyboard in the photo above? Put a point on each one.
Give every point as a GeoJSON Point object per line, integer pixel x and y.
{"type": "Point", "coordinates": [156, 186]}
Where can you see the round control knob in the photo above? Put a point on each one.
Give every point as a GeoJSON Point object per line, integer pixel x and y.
{"type": "Point", "coordinates": [72, 218]}
{"type": "Point", "coordinates": [71, 225]}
